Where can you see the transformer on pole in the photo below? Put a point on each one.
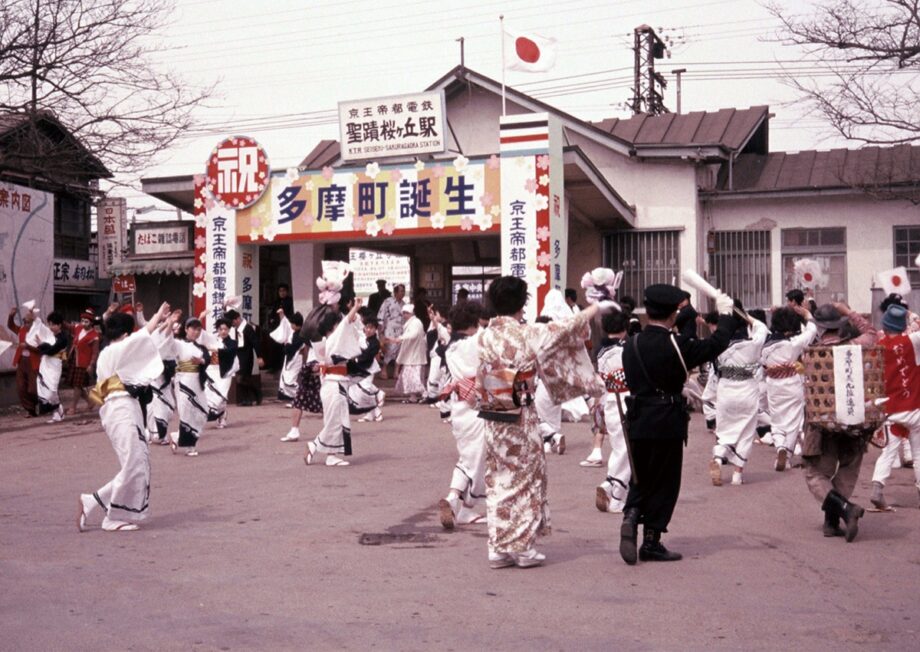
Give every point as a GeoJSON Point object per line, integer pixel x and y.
{"type": "Point", "coordinates": [648, 86]}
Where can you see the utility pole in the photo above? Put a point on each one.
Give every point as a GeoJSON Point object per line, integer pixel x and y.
{"type": "Point", "coordinates": [35, 60]}
{"type": "Point", "coordinates": [648, 85]}
{"type": "Point", "coordinates": [678, 73]}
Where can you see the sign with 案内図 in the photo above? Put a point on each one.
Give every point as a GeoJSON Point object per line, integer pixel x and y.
{"type": "Point", "coordinates": [401, 125]}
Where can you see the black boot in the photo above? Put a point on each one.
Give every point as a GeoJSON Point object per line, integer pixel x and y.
{"type": "Point", "coordinates": [629, 533]}
{"type": "Point", "coordinates": [832, 525]}
{"type": "Point", "coordinates": [653, 550]}
{"type": "Point", "coordinates": [836, 505]}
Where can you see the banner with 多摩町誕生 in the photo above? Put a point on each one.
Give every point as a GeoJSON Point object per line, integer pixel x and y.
{"type": "Point", "coordinates": [375, 201]}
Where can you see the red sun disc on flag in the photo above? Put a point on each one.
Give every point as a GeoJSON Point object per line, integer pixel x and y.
{"type": "Point", "coordinates": [527, 50]}
{"type": "Point", "coordinates": [896, 280]}
{"type": "Point", "coordinates": [237, 172]}
{"type": "Point", "coordinates": [807, 276]}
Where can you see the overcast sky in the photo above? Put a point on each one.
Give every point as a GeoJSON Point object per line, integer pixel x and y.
{"type": "Point", "coordinates": [282, 66]}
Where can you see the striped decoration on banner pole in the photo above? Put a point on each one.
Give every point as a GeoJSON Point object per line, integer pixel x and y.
{"type": "Point", "coordinates": [525, 224]}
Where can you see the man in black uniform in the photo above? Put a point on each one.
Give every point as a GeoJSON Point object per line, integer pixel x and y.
{"type": "Point", "coordinates": [657, 416]}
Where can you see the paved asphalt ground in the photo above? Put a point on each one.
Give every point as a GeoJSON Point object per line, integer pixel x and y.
{"type": "Point", "coordinates": [248, 549]}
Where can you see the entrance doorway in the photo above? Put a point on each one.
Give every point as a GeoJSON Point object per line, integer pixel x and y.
{"type": "Point", "coordinates": [474, 279]}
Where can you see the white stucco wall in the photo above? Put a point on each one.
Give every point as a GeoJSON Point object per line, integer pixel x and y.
{"type": "Point", "coordinates": [869, 232]}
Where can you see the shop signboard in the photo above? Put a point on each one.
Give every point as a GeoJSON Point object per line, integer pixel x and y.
{"type": "Point", "coordinates": [26, 252]}
{"type": "Point", "coordinates": [124, 284]}
{"type": "Point", "coordinates": [162, 239]}
{"type": "Point", "coordinates": [71, 273]}
{"type": "Point", "coordinates": [461, 196]}
{"type": "Point", "coordinates": [368, 266]}
{"type": "Point", "coordinates": [112, 229]}
{"type": "Point", "coordinates": [399, 125]}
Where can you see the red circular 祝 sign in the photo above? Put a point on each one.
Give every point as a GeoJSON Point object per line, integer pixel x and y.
{"type": "Point", "coordinates": [237, 172]}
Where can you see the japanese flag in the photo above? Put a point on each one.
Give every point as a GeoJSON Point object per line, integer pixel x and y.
{"type": "Point", "coordinates": [917, 261]}
{"type": "Point", "coordinates": [809, 274]}
{"type": "Point", "coordinates": [528, 52]}
{"type": "Point", "coordinates": [894, 281]}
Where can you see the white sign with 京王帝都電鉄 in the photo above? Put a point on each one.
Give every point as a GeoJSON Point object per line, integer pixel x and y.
{"type": "Point", "coordinates": [400, 125]}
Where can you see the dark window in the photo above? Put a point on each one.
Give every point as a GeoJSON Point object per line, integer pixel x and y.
{"type": "Point", "coordinates": [71, 227]}
{"type": "Point", "coordinates": [906, 249]}
{"type": "Point", "coordinates": [646, 257]}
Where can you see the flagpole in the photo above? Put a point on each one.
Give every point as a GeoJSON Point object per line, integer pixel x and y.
{"type": "Point", "coordinates": [501, 21]}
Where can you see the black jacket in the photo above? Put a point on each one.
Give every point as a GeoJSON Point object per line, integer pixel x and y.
{"type": "Point", "coordinates": [656, 408]}
{"type": "Point", "coordinates": [248, 349]}
{"type": "Point", "coordinates": [358, 365]}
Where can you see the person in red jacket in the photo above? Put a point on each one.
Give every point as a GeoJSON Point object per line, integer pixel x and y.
{"type": "Point", "coordinates": [25, 361]}
{"type": "Point", "coordinates": [83, 353]}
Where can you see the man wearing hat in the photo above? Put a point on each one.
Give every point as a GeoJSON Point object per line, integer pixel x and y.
{"type": "Point", "coordinates": [376, 300]}
{"type": "Point", "coordinates": [902, 387]}
{"type": "Point", "coordinates": [832, 457]}
{"type": "Point", "coordinates": [84, 350]}
{"type": "Point", "coordinates": [656, 363]}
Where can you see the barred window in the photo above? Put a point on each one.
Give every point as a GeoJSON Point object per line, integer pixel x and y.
{"type": "Point", "coordinates": [906, 249]}
{"type": "Point", "coordinates": [645, 257]}
{"type": "Point", "coordinates": [739, 263]}
{"type": "Point", "coordinates": [829, 248]}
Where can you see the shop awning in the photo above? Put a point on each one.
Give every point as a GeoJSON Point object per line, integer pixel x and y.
{"type": "Point", "coordinates": [176, 266]}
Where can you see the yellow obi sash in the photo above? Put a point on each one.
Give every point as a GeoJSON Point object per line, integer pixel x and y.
{"type": "Point", "coordinates": [105, 387]}
{"type": "Point", "coordinates": [62, 355]}
{"type": "Point", "coordinates": [187, 366]}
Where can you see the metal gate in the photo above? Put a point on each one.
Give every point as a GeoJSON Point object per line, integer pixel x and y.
{"type": "Point", "coordinates": [740, 265]}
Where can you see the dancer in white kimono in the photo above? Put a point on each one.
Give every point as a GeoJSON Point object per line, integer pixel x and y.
{"type": "Point", "coordinates": [224, 363]}
{"type": "Point", "coordinates": [738, 399]}
{"type": "Point", "coordinates": [364, 397]}
{"type": "Point", "coordinates": [510, 356]}
{"type": "Point", "coordinates": [610, 495]}
{"type": "Point", "coordinates": [288, 336]}
{"type": "Point", "coordinates": [785, 383]}
{"type": "Point", "coordinates": [191, 380]}
{"type": "Point", "coordinates": [52, 342]}
{"type": "Point", "coordinates": [163, 406]}
{"type": "Point", "coordinates": [467, 484]}
{"type": "Point", "coordinates": [412, 357]}
{"type": "Point", "coordinates": [340, 342]}
{"type": "Point", "coordinates": [125, 368]}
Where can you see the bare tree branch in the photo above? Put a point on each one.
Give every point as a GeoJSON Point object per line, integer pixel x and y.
{"type": "Point", "coordinates": [92, 63]}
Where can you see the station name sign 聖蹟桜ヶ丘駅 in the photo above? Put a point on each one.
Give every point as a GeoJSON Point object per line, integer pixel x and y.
{"type": "Point", "coordinates": [400, 125]}
{"type": "Point", "coordinates": [424, 198]}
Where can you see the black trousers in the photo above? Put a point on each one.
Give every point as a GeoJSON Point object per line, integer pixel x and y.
{"type": "Point", "coordinates": [249, 388]}
{"type": "Point", "coordinates": [658, 465]}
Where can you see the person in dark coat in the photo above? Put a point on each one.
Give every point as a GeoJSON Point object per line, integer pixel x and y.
{"type": "Point", "coordinates": [376, 300]}
{"type": "Point", "coordinates": [657, 415]}
{"type": "Point", "coordinates": [249, 381]}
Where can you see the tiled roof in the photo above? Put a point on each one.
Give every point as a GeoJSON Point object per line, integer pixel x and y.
{"type": "Point", "coordinates": [729, 128]}
{"type": "Point", "coordinates": [812, 170]}
{"type": "Point", "coordinates": [325, 153]}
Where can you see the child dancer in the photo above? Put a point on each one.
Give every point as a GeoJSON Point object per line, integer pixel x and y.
{"type": "Point", "coordinates": [191, 379]}
{"type": "Point", "coordinates": [364, 394]}
{"type": "Point", "coordinates": [223, 365]}
{"type": "Point", "coordinates": [51, 341]}
{"type": "Point", "coordinates": [288, 335]}
{"type": "Point", "coordinates": [163, 405]}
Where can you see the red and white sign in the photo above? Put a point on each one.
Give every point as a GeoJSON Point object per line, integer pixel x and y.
{"type": "Point", "coordinates": [528, 52]}
{"type": "Point", "coordinates": [894, 281]}
{"type": "Point", "coordinates": [237, 172]}
{"type": "Point", "coordinates": [112, 232]}
{"type": "Point", "coordinates": [124, 284]}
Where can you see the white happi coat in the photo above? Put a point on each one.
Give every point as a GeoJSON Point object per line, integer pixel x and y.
{"type": "Point", "coordinates": [163, 406]}
{"type": "Point", "coordinates": [217, 388]}
{"type": "Point", "coordinates": [343, 341]}
{"type": "Point", "coordinates": [468, 429]}
{"type": "Point", "coordinates": [738, 401]}
{"type": "Point", "coordinates": [191, 399]}
{"type": "Point", "coordinates": [610, 367]}
{"type": "Point", "coordinates": [287, 379]}
{"type": "Point", "coordinates": [49, 368]}
{"type": "Point", "coordinates": [136, 361]}
{"type": "Point", "coordinates": [786, 396]}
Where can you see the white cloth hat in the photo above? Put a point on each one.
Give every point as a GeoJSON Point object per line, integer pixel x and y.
{"type": "Point", "coordinates": [29, 305]}
{"type": "Point", "coordinates": [408, 307]}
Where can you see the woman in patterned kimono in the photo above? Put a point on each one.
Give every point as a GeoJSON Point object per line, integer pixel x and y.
{"type": "Point", "coordinates": [511, 354]}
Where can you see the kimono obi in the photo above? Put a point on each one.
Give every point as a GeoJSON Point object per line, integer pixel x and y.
{"type": "Point", "coordinates": [61, 355]}
{"type": "Point", "coordinates": [112, 384]}
{"type": "Point", "coordinates": [784, 370]}
{"type": "Point", "coordinates": [187, 367]}
{"type": "Point", "coordinates": [615, 381]}
{"type": "Point", "coordinates": [465, 388]}
{"type": "Point", "coordinates": [730, 372]}
{"type": "Point", "coordinates": [334, 370]}
{"type": "Point", "coordinates": [505, 393]}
